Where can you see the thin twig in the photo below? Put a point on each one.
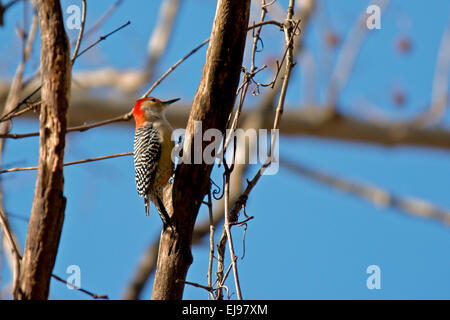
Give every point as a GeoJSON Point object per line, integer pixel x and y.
{"type": "Point", "coordinates": [33, 107]}
{"type": "Point", "coordinates": [220, 264]}
{"type": "Point", "coordinates": [80, 34]}
{"type": "Point", "coordinates": [71, 162]}
{"type": "Point", "coordinates": [86, 127]}
{"type": "Point", "coordinates": [221, 283]}
{"type": "Point", "coordinates": [15, 252]}
{"type": "Point", "coordinates": [102, 38]}
{"type": "Point", "coordinates": [10, 114]}
{"type": "Point", "coordinates": [197, 285]}
{"type": "Point", "coordinates": [93, 295]}
{"type": "Point", "coordinates": [80, 128]}
{"type": "Point", "coordinates": [157, 82]}
{"type": "Point", "coordinates": [230, 239]}
{"type": "Point", "coordinates": [103, 18]}
{"type": "Point", "coordinates": [211, 239]}
{"type": "Point", "coordinates": [263, 23]}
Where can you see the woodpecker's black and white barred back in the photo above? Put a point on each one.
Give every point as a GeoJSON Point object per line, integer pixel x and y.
{"type": "Point", "coordinates": [147, 152]}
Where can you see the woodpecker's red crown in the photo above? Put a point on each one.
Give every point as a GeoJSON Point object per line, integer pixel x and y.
{"type": "Point", "coordinates": [147, 108]}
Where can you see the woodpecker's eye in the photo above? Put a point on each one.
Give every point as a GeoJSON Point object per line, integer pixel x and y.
{"type": "Point", "coordinates": [152, 100]}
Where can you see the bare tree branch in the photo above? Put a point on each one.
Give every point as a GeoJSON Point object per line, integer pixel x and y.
{"type": "Point", "coordinates": [89, 293]}
{"type": "Point", "coordinates": [12, 249]}
{"type": "Point", "coordinates": [47, 214]}
{"type": "Point", "coordinates": [212, 105]}
{"type": "Point", "coordinates": [376, 195]}
{"type": "Point", "coordinates": [80, 34]}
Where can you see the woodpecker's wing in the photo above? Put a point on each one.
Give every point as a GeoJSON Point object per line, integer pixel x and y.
{"type": "Point", "coordinates": [147, 151]}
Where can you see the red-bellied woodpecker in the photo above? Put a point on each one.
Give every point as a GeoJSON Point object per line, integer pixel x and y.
{"type": "Point", "coordinates": [152, 152]}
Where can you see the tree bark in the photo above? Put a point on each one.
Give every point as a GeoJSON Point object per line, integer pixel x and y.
{"type": "Point", "coordinates": [212, 105]}
{"type": "Point", "coordinates": [47, 214]}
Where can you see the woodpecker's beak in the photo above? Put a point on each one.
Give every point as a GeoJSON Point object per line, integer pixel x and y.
{"type": "Point", "coordinates": [166, 103]}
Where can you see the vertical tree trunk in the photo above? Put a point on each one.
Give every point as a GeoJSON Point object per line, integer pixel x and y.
{"type": "Point", "coordinates": [47, 213]}
{"type": "Point", "coordinates": [212, 105]}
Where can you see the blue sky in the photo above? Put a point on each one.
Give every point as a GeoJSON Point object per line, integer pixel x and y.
{"type": "Point", "coordinates": [307, 241]}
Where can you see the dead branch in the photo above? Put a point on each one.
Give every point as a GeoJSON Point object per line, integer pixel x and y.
{"type": "Point", "coordinates": [47, 214]}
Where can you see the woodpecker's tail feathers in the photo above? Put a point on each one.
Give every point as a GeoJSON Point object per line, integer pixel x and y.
{"type": "Point", "coordinates": [147, 205]}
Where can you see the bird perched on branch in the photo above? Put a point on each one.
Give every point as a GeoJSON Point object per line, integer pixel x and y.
{"type": "Point", "coordinates": [152, 152]}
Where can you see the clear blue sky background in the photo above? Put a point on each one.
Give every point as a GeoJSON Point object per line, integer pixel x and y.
{"type": "Point", "coordinates": [307, 241]}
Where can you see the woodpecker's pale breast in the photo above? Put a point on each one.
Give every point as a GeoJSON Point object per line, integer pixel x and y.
{"type": "Point", "coordinates": [165, 165]}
